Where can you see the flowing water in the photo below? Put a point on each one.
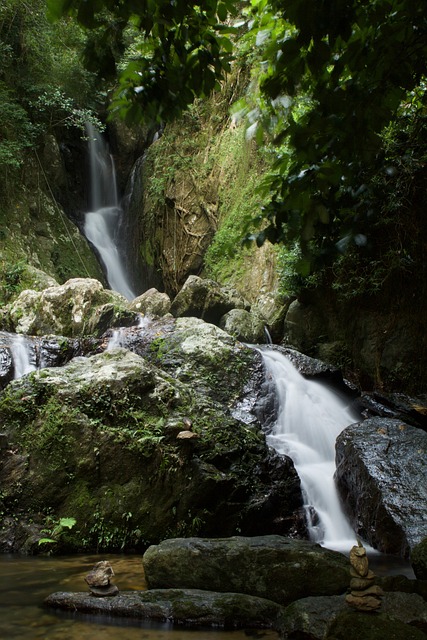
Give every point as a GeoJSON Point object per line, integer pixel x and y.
{"type": "Point", "coordinates": [23, 355]}
{"type": "Point", "coordinates": [102, 223]}
{"type": "Point", "coordinates": [310, 418]}
{"type": "Point", "coordinates": [26, 581]}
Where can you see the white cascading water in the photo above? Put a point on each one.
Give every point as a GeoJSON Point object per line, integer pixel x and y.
{"type": "Point", "coordinates": [310, 417]}
{"type": "Point", "coordinates": [22, 355]}
{"type": "Point", "coordinates": [102, 222]}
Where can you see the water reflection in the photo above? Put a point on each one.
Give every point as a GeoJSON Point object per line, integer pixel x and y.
{"type": "Point", "coordinates": [26, 582]}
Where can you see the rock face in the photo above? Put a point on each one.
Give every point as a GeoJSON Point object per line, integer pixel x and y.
{"type": "Point", "coordinates": [97, 439]}
{"type": "Point", "coordinates": [272, 567]}
{"type": "Point", "coordinates": [381, 471]}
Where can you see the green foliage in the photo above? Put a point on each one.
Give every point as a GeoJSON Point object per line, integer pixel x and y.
{"type": "Point", "coordinates": [42, 81]}
{"type": "Point", "coordinates": [328, 80]}
{"type": "Point", "coordinates": [352, 64]}
{"type": "Point", "coordinates": [184, 51]}
{"type": "Point", "coordinates": [56, 530]}
{"type": "Point", "coordinates": [11, 280]}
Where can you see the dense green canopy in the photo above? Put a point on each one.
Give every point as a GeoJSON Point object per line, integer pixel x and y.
{"type": "Point", "coordinates": [331, 75]}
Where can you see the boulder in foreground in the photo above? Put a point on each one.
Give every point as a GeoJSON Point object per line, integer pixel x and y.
{"type": "Point", "coordinates": [273, 567]}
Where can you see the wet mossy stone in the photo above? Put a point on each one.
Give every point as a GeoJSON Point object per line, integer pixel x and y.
{"type": "Point", "coordinates": [272, 567]}
{"type": "Point", "coordinates": [99, 436]}
{"type": "Point", "coordinates": [78, 307]}
{"type": "Point", "coordinates": [189, 607]}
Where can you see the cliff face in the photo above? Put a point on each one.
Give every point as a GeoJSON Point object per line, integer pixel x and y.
{"type": "Point", "coordinates": [36, 230]}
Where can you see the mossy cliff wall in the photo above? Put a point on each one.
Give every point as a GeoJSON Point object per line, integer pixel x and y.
{"type": "Point", "coordinates": [36, 232]}
{"type": "Point", "coordinates": [193, 193]}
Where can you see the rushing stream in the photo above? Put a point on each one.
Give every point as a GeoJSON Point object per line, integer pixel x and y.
{"type": "Point", "coordinates": [310, 418]}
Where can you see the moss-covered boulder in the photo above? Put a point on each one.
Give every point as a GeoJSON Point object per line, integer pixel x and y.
{"type": "Point", "coordinates": [402, 616]}
{"type": "Point", "coordinates": [272, 567]}
{"type": "Point", "coordinates": [152, 303]}
{"type": "Point", "coordinates": [206, 299]}
{"type": "Point", "coordinates": [98, 440]}
{"type": "Point", "coordinates": [80, 306]}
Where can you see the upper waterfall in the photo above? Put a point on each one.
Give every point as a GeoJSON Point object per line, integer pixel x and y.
{"type": "Point", "coordinates": [102, 223]}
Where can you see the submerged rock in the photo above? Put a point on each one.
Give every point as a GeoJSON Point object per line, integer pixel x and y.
{"type": "Point", "coordinates": [381, 471]}
{"type": "Point", "coordinates": [273, 567]}
{"type": "Point", "coordinates": [189, 607]}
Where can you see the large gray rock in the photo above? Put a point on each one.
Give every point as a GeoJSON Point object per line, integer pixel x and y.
{"type": "Point", "coordinates": [381, 471]}
{"type": "Point", "coordinates": [80, 306]}
{"type": "Point", "coordinates": [243, 325]}
{"type": "Point", "coordinates": [151, 303]}
{"type": "Point", "coordinates": [189, 607]}
{"type": "Point", "coordinates": [206, 299]}
{"type": "Point", "coordinates": [98, 439]}
{"type": "Point", "coordinates": [272, 567]}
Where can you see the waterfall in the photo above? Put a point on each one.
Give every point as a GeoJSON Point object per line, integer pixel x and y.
{"type": "Point", "coordinates": [23, 355]}
{"type": "Point", "coordinates": [102, 223]}
{"type": "Point", "coordinates": [310, 418]}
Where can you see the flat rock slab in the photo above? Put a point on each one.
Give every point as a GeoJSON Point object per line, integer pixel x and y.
{"type": "Point", "coordinates": [191, 607]}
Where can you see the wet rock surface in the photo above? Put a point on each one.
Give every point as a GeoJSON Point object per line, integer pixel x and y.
{"type": "Point", "coordinates": [272, 567]}
{"type": "Point", "coordinates": [381, 471]}
{"type": "Point", "coordinates": [206, 299]}
{"type": "Point", "coordinates": [190, 607]}
{"type": "Point", "coordinates": [102, 432]}
{"type": "Point", "coordinates": [403, 617]}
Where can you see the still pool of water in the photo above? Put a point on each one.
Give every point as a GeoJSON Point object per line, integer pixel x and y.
{"type": "Point", "coordinates": [26, 581]}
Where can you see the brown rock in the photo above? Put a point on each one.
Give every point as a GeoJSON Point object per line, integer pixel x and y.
{"type": "Point", "coordinates": [364, 603]}
{"type": "Point", "coordinates": [101, 592]}
{"type": "Point", "coordinates": [100, 574]}
{"type": "Point", "coordinates": [186, 435]}
{"type": "Point", "coordinates": [369, 576]}
{"type": "Point", "coordinates": [361, 583]}
{"type": "Point", "coordinates": [359, 560]}
{"type": "Point", "coordinates": [374, 590]}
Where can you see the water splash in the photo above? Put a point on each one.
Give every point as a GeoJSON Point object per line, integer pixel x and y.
{"type": "Point", "coordinates": [102, 223]}
{"type": "Point", "coordinates": [310, 418]}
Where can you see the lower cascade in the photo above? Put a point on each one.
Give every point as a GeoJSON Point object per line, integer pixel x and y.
{"type": "Point", "coordinates": [310, 417]}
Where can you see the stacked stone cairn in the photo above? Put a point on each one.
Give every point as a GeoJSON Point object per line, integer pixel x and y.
{"type": "Point", "coordinates": [99, 580]}
{"type": "Point", "coordinates": [365, 595]}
